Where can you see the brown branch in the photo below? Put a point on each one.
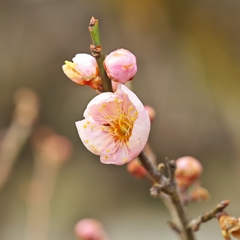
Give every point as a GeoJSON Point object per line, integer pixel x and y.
{"type": "Point", "coordinates": [167, 189]}
{"type": "Point", "coordinates": [171, 167]}
{"type": "Point", "coordinates": [174, 227]}
{"type": "Point", "coordinates": [195, 223]}
{"type": "Point", "coordinates": [150, 167]}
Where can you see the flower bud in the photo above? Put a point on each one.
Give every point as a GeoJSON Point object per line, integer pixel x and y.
{"type": "Point", "coordinates": [83, 70]}
{"type": "Point", "coordinates": [151, 112]}
{"type": "Point", "coordinates": [120, 65]}
{"type": "Point", "coordinates": [188, 170]}
{"type": "Point", "coordinates": [200, 194]}
{"type": "Point", "coordinates": [136, 169]}
{"type": "Point", "coordinates": [90, 229]}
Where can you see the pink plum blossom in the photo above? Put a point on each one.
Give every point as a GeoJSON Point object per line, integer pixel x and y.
{"type": "Point", "coordinates": [116, 126]}
{"type": "Point", "coordinates": [120, 65]}
{"type": "Point", "coordinates": [83, 70]}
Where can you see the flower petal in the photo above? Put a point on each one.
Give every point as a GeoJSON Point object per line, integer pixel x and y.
{"type": "Point", "coordinates": [140, 134]}
{"type": "Point", "coordinates": [95, 138]}
{"type": "Point", "coordinates": [122, 89]}
{"type": "Point", "coordinates": [93, 111]}
{"type": "Point", "coordinates": [120, 157]}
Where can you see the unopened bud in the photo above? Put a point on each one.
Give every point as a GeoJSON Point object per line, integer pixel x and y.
{"type": "Point", "coordinates": [120, 65]}
{"type": "Point", "coordinates": [200, 194]}
{"type": "Point", "coordinates": [135, 168]}
{"type": "Point", "coordinates": [151, 112]}
{"type": "Point", "coordinates": [83, 70]}
{"type": "Point", "coordinates": [90, 229]}
{"type": "Point", "coordinates": [188, 170]}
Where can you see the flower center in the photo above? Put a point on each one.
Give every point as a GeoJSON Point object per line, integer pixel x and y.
{"type": "Point", "coordinates": [121, 128]}
{"type": "Point", "coordinates": [120, 124]}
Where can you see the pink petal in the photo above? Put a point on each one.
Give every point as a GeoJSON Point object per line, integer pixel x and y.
{"type": "Point", "coordinates": [120, 157]}
{"type": "Point", "coordinates": [132, 97]}
{"type": "Point", "coordinates": [95, 139]}
{"type": "Point", "coordinates": [140, 134]}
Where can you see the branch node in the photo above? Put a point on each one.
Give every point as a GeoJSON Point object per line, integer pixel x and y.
{"type": "Point", "coordinates": [96, 50]}
{"type": "Point", "coordinates": [155, 191]}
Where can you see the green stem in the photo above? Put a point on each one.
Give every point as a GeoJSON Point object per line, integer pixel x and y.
{"type": "Point", "coordinates": [96, 50]}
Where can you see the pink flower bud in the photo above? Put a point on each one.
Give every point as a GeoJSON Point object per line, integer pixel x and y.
{"type": "Point", "coordinates": [188, 170]}
{"type": "Point", "coordinates": [83, 70]}
{"type": "Point", "coordinates": [90, 229]}
{"type": "Point", "coordinates": [199, 194]}
{"type": "Point", "coordinates": [120, 65]}
{"type": "Point", "coordinates": [151, 112]}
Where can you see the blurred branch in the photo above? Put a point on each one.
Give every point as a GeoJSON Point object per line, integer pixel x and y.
{"type": "Point", "coordinates": [195, 223]}
{"type": "Point", "coordinates": [50, 154]}
{"type": "Point", "coordinates": [167, 190]}
{"type": "Point", "coordinates": [38, 200]}
{"type": "Point", "coordinates": [24, 117]}
{"type": "Point", "coordinates": [96, 50]}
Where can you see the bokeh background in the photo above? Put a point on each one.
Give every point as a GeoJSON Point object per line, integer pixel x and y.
{"type": "Point", "coordinates": [188, 56]}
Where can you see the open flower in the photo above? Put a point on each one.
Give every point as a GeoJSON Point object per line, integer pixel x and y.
{"type": "Point", "coordinates": [116, 126]}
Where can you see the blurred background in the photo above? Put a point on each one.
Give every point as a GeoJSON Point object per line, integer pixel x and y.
{"type": "Point", "coordinates": [188, 56]}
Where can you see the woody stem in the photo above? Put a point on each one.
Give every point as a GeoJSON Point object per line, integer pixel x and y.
{"type": "Point", "coordinates": [166, 189]}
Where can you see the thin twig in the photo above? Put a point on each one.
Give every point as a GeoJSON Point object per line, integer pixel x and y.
{"type": "Point", "coordinates": [195, 223]}
{"type": "Point", "coordinates": [39, 199]}
{"type": "Point", "coordinates": [24, 117]}
{"type": "Point", "coordinates": [150, 167]}
{"type": "Point", "coordinates": [171, 166]}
